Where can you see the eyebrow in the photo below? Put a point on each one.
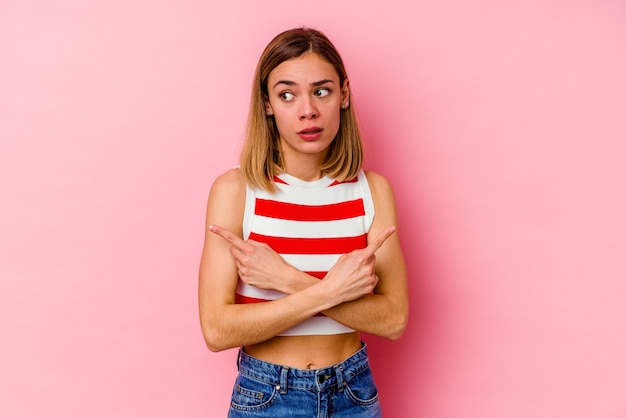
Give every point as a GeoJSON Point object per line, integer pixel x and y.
{"type": "Point", "coordinates": [313, 84]}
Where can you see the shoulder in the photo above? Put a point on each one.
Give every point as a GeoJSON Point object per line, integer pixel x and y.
{"type": "Point", "coordinates": [227, 199]}
{"type": "Point", "coordinates": [379, 185]}
{"type": "Point", "coordinates": [230, 179]}
{"type": "Point", "coordinates": [382, 198]}
{"type": "Point", "coordinates": [230, 183]}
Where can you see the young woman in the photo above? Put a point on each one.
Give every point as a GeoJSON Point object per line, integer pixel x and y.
{"type": "Point", "coordinates": [300, 253]}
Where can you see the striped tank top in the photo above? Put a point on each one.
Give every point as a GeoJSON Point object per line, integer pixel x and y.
{"type": "Point", "coordinates": [310, 224]}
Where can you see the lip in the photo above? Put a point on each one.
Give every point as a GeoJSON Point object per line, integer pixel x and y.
{"type": "Point", "coordinates": [310, 133]}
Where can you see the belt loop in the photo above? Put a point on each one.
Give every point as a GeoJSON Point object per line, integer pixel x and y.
{"type": "Point", "coordinates": [283, 380]}
{"type": "Point", "coordinates": [239, 358]}
{"type": "Point", "coordinates": [341, 383]}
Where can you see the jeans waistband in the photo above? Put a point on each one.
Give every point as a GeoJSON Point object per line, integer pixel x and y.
{"type": "Point", "coordinates": [284, 377]}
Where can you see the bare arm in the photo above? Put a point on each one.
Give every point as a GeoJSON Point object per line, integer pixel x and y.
{"type": "Point", "coordinates": [226, 324]}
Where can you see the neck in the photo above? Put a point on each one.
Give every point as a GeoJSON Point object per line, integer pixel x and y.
{"type": "Point", "coordinates": [306, 167]}
{"type": "Point", "coordinates": [304, 173]}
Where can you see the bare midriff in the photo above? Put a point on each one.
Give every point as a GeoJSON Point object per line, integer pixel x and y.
{"type": "Point", "coordinates": [307, 351]}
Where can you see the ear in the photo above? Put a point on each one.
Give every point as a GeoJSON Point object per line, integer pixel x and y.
{"type": "Point", "coordinates": [268, 108]}
{"type": "Point", "coordinates": [345, 94]}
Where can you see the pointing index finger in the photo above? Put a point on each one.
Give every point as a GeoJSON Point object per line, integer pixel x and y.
{"type": "Point", "coordinates": [228, 236]}
{"type": "Point", "coordinates": [379, 240]}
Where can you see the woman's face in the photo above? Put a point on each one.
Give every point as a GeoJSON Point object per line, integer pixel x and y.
{"type": "Point", "coordinates": [305, 97]}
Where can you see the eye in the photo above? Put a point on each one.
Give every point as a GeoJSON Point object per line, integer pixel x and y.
{"type": "Point", "coordinates": [322, 92]}
{"type": "Point", "coordinates": [287, 96]}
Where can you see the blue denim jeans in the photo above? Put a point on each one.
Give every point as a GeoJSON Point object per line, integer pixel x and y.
{"type": "Point", "coordinates": [344, 390]}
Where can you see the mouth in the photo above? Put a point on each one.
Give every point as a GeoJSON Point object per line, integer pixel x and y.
{"type": "Point", "coordinates": [310, 131]}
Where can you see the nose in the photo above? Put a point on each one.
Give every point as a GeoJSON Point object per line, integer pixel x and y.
{"type": "Point", "coordinates": [308, 109]}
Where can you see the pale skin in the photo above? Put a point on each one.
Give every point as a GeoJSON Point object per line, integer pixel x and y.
{"type": "Point", "coordinates": [365, 290]}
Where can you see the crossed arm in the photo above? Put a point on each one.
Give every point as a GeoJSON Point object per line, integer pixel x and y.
{"type": "Point", "coordinates": [365, 290]}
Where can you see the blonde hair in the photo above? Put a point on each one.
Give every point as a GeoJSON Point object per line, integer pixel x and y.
{"type": "Point", "coordinates": [261, 158]}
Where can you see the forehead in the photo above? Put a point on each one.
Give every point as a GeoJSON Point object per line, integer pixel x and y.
{"type": "Point", "coordinates": [305, 69]}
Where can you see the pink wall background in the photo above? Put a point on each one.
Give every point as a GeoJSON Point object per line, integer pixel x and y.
{"type": "Point", "coordinates": [501, 124]}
